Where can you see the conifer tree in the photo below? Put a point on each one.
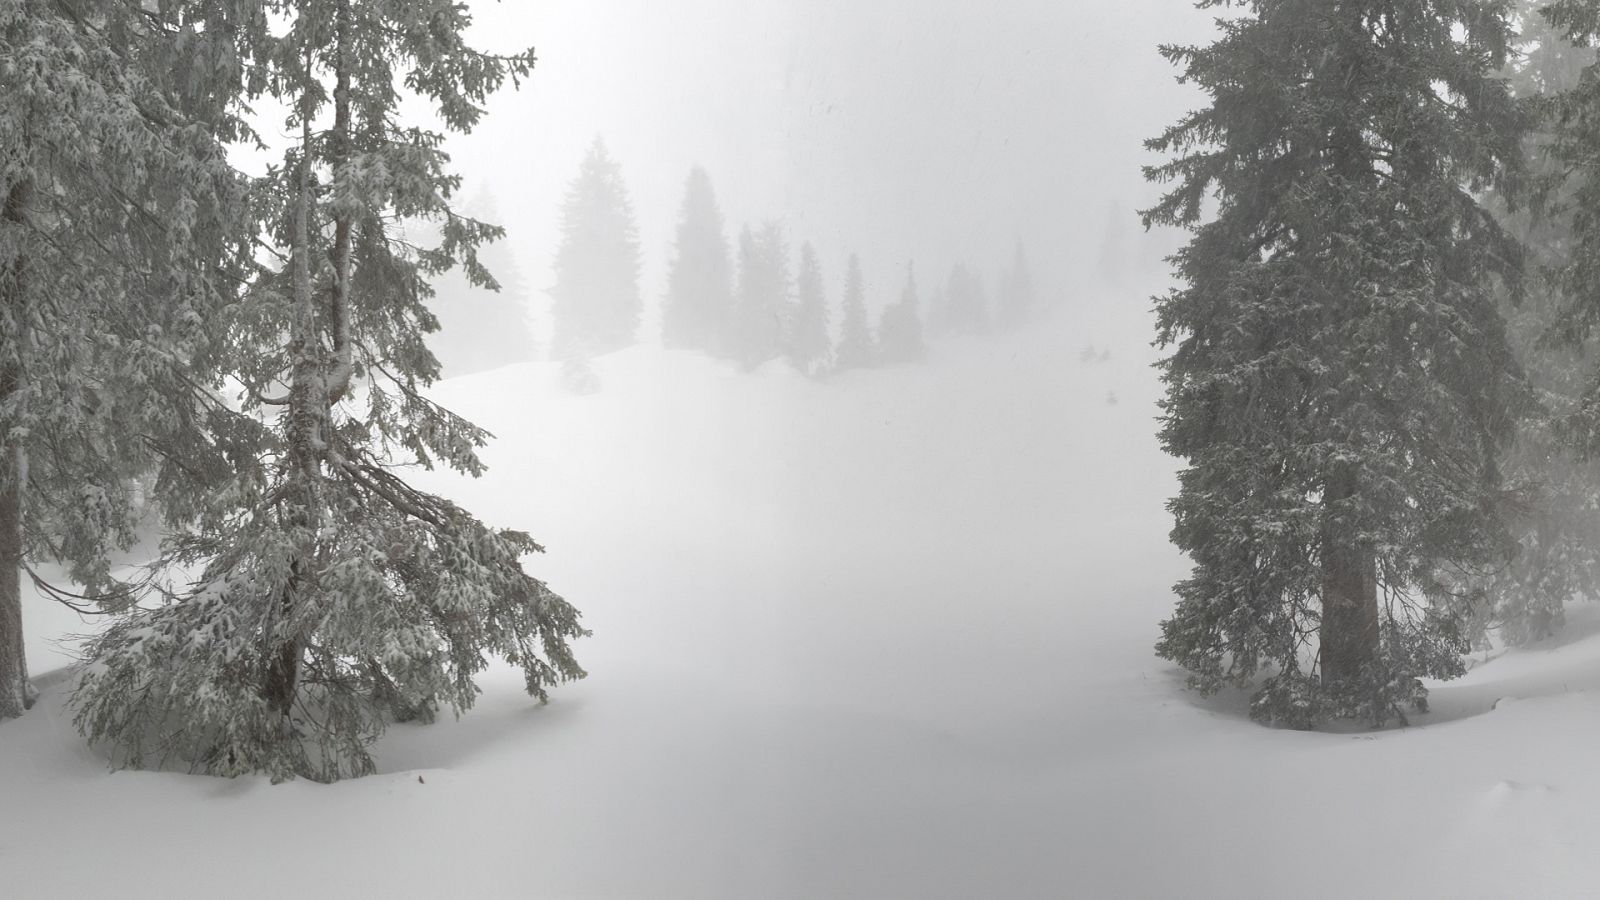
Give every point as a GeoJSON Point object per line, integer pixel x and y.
{"type": "Point", "coordinates": [482, 328]}
{"type": "Point", "coordinates": [1017, 302]}
{"type": "Point", "coordinates": [900, 328]}
{"type": "Point", "coordinates": [597, 302]}
{"type": "Point", "coordinates": [120, 226]}
{"type": "Point", "coordinates": [856, 348]}
{"type": "Point", "coordinates": [1340, 386]}
{"type": "Point", "coordinates": [808, 334]}
{"type": "Point", "coordinates": [331, 597]}
{"type": "Point", "coordinates": [699, 302]}
{"type": "Point", "coordinates": [962, 308]}
{"type": "Point", "coordinates": [762, 309]}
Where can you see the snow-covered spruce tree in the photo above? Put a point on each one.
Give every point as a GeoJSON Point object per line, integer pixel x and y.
{"type": "Point", "coordinates": [119, 222]}
{"type": "Point", "coordinates": [856, 349]}
{"type": "Point", "coordinates": [596, 295]}
{"type": "Point", "coordinates": [807, 338]}
{"type": "Point", "coordinates": [699, 302]}
{"type": "Point", "coordinates": [762, 310]}
{"type": "Point", "coordinates": [332, 597]}
{"type": "Point", "coordinates": [1340, 385]}
{"type": "Point", "coordinates": [900, 328]}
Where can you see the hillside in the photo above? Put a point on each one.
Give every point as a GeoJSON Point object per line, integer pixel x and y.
{"type": "Point", "coordinates": [886, 636]}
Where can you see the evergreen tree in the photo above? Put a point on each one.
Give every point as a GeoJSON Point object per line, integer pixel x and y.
{"type": "Point", "coordinates": [762, 308]}
{"type": "Point", "coordinates": [1559, 490]}
{"type": "Point", "coordinates": [482, 329]}
{"type": "Point", "coordinates": [808, 336]}
{"type": "Point", "coordinates": [120, 227]}
{"type": "Point", "coordinates": [1017, 302]}
{"type": "Point", "coordinates": [900, 328]}
{"type": "Point", "coordinates": [962, 308]}
{"type": "Point", "coordinates": [1340, 385]}
{"type": "Point", "coordinates": [699, 301]}
{"type": "Point", "coordinates": [856, 348]}
{"type": "Point", "coordinates": [332, 597]}
{"type": "Point", "coordinates": [597, 302]}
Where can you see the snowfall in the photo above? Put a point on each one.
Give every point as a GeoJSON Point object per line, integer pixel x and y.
{"type": "Point", "coordinates": [882, 636]}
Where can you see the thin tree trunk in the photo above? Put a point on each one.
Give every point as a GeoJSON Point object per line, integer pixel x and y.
{"type": "Point", "coordinates": [13, 661]}
{"type": "Point", "coordinates": [307, 414]}
{"type": "Point", "coordinates": [1349, 633]}
{"type": "Point", "coordinates": [14, 693]}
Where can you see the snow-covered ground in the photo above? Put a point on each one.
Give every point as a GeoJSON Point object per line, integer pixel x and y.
{"type": "Point", "coordinates": [888, 636]}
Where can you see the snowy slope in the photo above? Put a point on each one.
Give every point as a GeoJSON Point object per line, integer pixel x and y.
{"type": "Point", "coordinates": [883, 637]}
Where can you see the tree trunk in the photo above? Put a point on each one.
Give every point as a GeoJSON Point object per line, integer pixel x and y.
{"type": "Point", "coordinates": [14, 694]}
{"type": "Point", "coordinates": [1349, 633]}
{"type": "Point", "coordinates": [13, 661]}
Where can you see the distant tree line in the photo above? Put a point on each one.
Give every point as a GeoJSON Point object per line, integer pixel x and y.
{"type": "Point", "coordinates": [753, 302]}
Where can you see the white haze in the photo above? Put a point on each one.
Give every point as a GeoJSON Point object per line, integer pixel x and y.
{"type": "Point", "coordinates": [938, 131]}
{"type": "Point", "coordinates": [885, 635]}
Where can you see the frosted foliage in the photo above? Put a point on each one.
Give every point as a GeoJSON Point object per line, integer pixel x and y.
{"type": "Point", "coordinates": [118, 221]}
{"type": "Point", "coordinates": [400, 621]}
{"type": "Point", "coordinates": [332, 596]}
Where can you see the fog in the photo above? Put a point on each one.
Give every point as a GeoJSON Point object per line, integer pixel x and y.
{"type": "Point", "coordinates": [939, 132]}
{"type": "Point", "coordinates": [874, 621]}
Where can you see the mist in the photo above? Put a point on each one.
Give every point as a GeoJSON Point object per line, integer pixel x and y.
{"type": "Point", "coordinates": [935, 133]}
{"type": "Point", "coordinates": [805, 503]}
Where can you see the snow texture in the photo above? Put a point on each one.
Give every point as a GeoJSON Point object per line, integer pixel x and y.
{"type": "Point", "coordinates": [885, 636]}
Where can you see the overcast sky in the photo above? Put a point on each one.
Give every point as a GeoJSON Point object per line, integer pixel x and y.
{"type": "Point", "coordinates": [934, 130]}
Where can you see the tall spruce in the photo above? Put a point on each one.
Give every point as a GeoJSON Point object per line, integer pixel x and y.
{"type": "Point", "coordinates": [1340, 386]}
{"type": "Point", "coordinates": [597, 304]}
{"type": "Point", "coordinates": [699, 302]}
{"type": "Point", "coordinates": [900, 328]}
{"type": "Point", "coordinates": [856, 348]}
{"type": "Point", "coordinates": [762, 310]}
{"type": "Point", "coordinates": [330, 597]}
{"type": "Point", "coordinates": [807, 340]}
{"type": "Point", "coordinates": [120, 226]}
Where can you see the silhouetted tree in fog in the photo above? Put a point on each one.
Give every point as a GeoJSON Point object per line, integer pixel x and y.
{"type": "Point", "coordinates": [808, 335]}
{"type": "Point", "coordinates": [1558, 490]}
{"type": "Point", "coordinates": [962, 308]}
{"type": "Point", "coordinates": [900, 328]}
{"type": "Point", "coordinates": [762, 309]}
{"type": "Point", "coordinates": [1018, 301]}
{"type": "Point", "coordinates": [596, 293]}
{"type": "Point", "coordinates": [482, 328]}
{"type": "Point", "coordinates": [856, 349]}
{"type": "Point", "coordinates": [698, 309]}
